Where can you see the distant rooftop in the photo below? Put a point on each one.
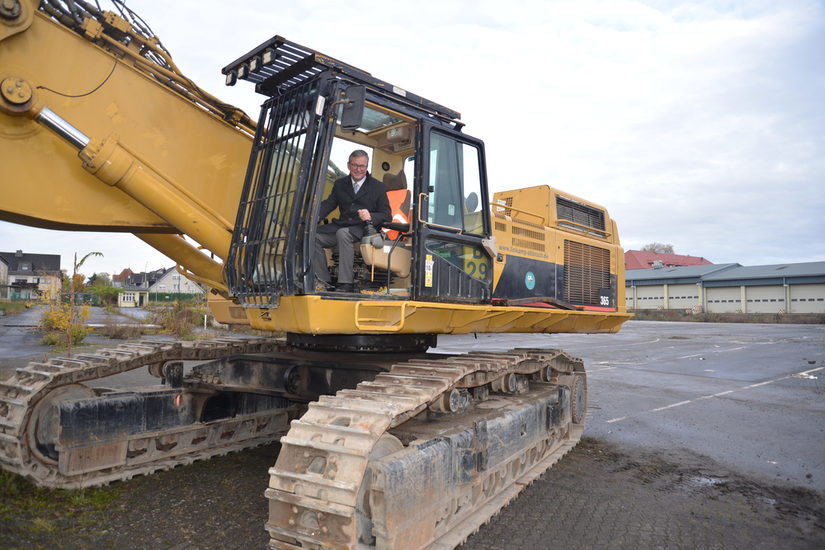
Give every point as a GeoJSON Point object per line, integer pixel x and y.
{"type": "Point", "coordinates": [641, 259]}
{"type": "Point", "coordinates": [807, 269]}
{"type": "Point", "coordinates": [688, 273]}
{"type": "Point", "coordinates": [20, 262]}
{"type": "Point", "coordinates": [733, 273]}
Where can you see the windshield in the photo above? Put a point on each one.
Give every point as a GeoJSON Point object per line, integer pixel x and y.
{"type": "Point", "coordinates": [375, 120]}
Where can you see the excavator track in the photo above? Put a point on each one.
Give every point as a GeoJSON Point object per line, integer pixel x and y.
{"type": "Point", "coordinates": [344, 479]}
{"type": "Point", "coordinates": [28, 400]}
{"type": "Point", "coordinates": [419, 457]}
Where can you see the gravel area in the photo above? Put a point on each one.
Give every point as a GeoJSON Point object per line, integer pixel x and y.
{"type": "Point", "coordinates": [598, 496]}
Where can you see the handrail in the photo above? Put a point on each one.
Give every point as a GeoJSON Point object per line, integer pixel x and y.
{"type": "Point", "coordinates": [431, 224]}
{"type": "Point", "coordinates": [505, 207]}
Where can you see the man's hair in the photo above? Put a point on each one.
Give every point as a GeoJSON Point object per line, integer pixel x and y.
{"type": "Point", "coordinates": [358, 153]}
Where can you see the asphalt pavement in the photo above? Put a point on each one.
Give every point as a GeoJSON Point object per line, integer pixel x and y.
{"type": "Point", "coordinates": [20, 336]}
{"type": "Point", "coordinates": [699, 435]}
{"type": "Point", "coordinates": [749, 396]}
{"type": "Point", "coordinates": [30, 317]}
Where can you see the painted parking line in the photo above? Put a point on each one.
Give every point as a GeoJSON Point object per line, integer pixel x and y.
{"type": "Point", "coordinates": [672, 406]}
{"type": "Point", "coordinates": [802, 374]}
{"type": "Point", "coordinates": [600, 368]}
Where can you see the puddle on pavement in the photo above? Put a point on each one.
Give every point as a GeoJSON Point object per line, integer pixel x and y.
{"type": "Point", "coordinates": [702, 481]}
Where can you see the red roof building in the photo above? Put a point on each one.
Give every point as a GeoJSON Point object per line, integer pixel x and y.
{"type": "Point", "coordinates": [639, 259]}
{"type": "Point", "coordinates": [122, 277]}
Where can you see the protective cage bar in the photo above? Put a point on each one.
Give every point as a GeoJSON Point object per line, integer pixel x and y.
{"type": "Point", "coordinates": [266, 240]}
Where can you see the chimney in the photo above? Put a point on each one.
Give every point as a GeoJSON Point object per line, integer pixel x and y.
{"type": "Point", "coordinates": [18, 254]}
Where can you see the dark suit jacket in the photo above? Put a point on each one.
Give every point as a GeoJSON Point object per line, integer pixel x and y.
{"type": "Point", "coordinates": [372, 195]}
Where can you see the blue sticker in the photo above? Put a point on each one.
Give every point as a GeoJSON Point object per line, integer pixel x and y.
{"type": "Point", "coordinates": [530, 280]}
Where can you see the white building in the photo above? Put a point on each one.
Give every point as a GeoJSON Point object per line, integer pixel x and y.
{"type": "Point", "coordinates": [4, 279]}
{"type": "Point", "coordinates": [729, 288]}
{"type": "Point", "coordinates": [162, 285]}
{"type": "Point", "coordinates": [31, 276]}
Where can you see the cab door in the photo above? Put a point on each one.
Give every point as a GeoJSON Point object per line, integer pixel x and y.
{"type": "Point", "coordinates": [451, 218]}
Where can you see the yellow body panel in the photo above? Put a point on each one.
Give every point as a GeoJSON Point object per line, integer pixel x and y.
{"type": "Point", "coordinates": [526, 224]}
{"type": "Point", "coordinates": [320, 315]}
{"type": "Point", "coordinates": [226, 311]}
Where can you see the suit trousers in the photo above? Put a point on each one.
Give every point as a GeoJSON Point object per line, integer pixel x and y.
{"type": "Point", "coordinates": [344, 241]}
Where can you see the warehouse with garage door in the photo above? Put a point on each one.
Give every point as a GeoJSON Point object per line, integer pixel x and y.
{"type": "Point", "coordinates": [729, 288]}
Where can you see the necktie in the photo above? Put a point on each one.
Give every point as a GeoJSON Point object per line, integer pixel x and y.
{"type": "Point", "coordinates": [356, 186]}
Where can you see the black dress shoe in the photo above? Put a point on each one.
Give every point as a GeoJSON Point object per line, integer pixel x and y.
{"type": "Point", "coordinates": [344, 287]}
{"type": "Point", "coordinates": [322, 286]}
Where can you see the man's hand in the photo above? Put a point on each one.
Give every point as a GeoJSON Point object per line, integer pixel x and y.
{"type": "Point", "coordinates": [364, 214]}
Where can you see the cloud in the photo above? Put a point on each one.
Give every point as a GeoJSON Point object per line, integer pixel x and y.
{"type": "Point", "coordinates": [119, 250]}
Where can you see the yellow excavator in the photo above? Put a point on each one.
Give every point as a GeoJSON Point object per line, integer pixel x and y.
{"type": "Point", "coordinates": [384, 444]}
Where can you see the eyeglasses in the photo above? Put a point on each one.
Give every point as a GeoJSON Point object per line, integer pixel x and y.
{"type": "Point", "coordinates": [359, 166]}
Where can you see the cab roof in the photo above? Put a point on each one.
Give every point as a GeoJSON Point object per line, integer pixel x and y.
{"type": "Point", "coordinates": [279, 64]}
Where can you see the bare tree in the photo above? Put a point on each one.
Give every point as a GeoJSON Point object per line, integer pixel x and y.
{"type": "Point", "coordinates": [659, 248]}
{"type": "Point", "coordinates": [72, 291]}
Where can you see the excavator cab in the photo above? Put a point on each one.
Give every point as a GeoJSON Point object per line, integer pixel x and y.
{"type": "Point", "coordinates": [438, 246]}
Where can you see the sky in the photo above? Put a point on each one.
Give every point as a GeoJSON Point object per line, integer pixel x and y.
{"type": "Point", "coordinates": [699, 123]}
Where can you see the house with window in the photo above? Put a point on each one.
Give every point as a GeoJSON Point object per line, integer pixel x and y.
{"type": "Point", "coordinates": [4, 279]}
{"type": "Point", "coordinates": [32, 276]}
{"type": "Point", "coordinates": [121, 278]}
{"type": "Point", "coordinates": [161, 285]}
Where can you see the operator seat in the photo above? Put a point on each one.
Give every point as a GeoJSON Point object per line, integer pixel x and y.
{"type": "Point", "coordinates": [399, 197]}
{"type": "Point", "coordinates": [390, 254]}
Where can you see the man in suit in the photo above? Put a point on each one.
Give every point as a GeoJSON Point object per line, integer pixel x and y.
{"type": "Point", "coordinates": [362, 202]}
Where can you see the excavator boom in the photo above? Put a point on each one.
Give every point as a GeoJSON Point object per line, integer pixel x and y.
{"type": "Point", "coordinates": [160, 157]}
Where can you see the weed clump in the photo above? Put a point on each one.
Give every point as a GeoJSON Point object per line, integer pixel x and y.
{"type": "Point", "coordinates": [115, 331]}
{"type": "Point", "coordinates": [179, 318]}
{"type": "Point", "coordinates": [62, 326]}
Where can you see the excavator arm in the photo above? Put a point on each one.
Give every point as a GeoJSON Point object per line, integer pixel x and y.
{"type": "Point", "coordinates": [99, 131]}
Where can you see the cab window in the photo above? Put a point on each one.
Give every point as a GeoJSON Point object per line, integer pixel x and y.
{"type": "Point", "coordinates": [454, 193]}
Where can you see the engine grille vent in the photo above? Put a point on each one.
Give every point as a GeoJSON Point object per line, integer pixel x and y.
{"type": "Point", "coordinates": [530, 234]}
{"type": "Point", "coordinates": [586, 272]}
{"type": "Point", "coordinates": [581, 214]}
{"type": "Point", "coordinates": [529, 245]}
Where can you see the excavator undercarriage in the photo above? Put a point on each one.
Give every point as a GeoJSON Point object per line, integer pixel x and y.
{"type": "Point", "coordinates": [401, 453]}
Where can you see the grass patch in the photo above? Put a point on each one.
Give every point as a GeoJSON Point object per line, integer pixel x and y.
{"type": "Point", "coordinates": [10, 308]}
{"type": "Point", "coordinates": [20, 496]}
{"type": "Point", "coordinates": [112, 330]}
{"type": "Point", "coordinates": [178, 318]}
{"type": "Point", "coordinates": [43, 526]}
{"type": "Point", "coordinates": [687, 315]}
